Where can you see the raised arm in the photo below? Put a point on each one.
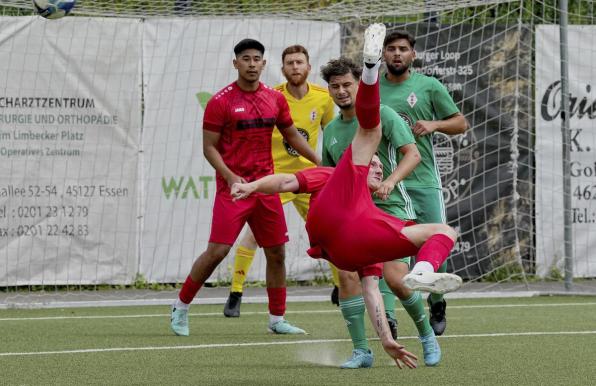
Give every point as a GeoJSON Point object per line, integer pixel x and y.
{"type": "Point", "coordinates": [376, 311]}
{"type": "Point", "coordinates": [273, 183]}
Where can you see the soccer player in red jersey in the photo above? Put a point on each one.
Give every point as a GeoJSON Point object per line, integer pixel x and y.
{"type": "Point", "coordinates": [346, 228]}
{"type": "Point", "coordinates": [237, 128]}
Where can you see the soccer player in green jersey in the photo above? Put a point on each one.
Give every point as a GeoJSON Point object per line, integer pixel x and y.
{"type": "Point", "coordinates": [399, 156]}
{"type": "Point", "coordinates": [426, 106]}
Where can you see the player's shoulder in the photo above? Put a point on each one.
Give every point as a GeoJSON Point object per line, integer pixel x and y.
{"type": "Point", "coordinates": [223, 93]}
{"type": "Point", "coordinates": [426, 79]}
{"type": "Point", "coordinates": [280, 87]}
{"type": "Point", "coordinates": [271, 90]}
{"type": "Point", "coordinates": [387, 111]}
{"type": "Point", "coordinates": [318, 89]}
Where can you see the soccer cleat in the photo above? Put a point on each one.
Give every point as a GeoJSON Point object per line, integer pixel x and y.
{"type": "Point", "coordinates": [284, 327]}
{"type": "Point", "coordinates": [232, 307]}
{"type": "Point", "coordinates": [373, 43]}
{"type": "Point", "coordinates": [335, 296]}
{"type": "Point", "coordinates": [179, 321]}
{"type": "Point", "coordinates": [437, 283]}
{"type": "Point", "coordinates": [360, 359]}
{"type": "Point", "coordinates": [438, 320]}
{"type": "Point", "coordinates": [430, 349]}
{"type": "Point", "coordinates": [392, 322]}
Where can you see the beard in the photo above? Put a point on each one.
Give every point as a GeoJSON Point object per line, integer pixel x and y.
{"type": "Point", "coordinates": [297, 80]}
{"type": "Point", "coordinates": [396, 71]}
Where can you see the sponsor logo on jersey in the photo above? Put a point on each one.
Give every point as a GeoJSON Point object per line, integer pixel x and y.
{"type": "Point", "coordinates": [239, 110]}
{"type": "Point", "coordinates": [412, 99]}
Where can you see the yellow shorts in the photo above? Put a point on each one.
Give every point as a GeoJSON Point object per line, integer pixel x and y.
{"type": "Point", "coordinates": [300, 202]}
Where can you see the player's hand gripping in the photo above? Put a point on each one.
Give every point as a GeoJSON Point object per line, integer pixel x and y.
{"type": "Point", "coordinates": [399, 354]}
{"type": "Point", "coordinates": [233, 178]}
{"type": "Point", "coordinates": [424, 128]}
{"type": "Point", "coordinates": [241, 190]}
{"type": "Point", "coordinates": [385, 190]}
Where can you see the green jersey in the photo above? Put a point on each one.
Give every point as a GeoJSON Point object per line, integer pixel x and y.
{"type": "Point", "coordinates": [420, 97]}
{"type": "Point", "coordinates": [338, 135]}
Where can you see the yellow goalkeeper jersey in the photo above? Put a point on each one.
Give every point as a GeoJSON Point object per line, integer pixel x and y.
{"type": "Point", "coordinates": [310, 114]}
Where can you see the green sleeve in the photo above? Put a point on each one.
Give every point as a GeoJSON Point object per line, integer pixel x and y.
{"type": "Point", "coordinates": [395, 129]}
{"type": "Point", "coordinates": [326, 159]}
{"type": "Point", "coordinates": [442, 102]}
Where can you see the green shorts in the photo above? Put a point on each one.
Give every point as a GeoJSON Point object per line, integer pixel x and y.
{"type": "Point", "coordinates": [429, 206]}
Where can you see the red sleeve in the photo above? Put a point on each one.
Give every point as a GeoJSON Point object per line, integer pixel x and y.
{"type": "Point", "coordinates": [313, 179]}
{"type": "Point", "coordinates": [371, 270]}
{"type": "Point", "coordinates": [214, 118]}
{"type": "Point", "coordinates": [284, 119]}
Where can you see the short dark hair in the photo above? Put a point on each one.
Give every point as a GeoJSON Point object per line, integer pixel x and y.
{"type": "Point", "coordinates": [400, 34]}
{"type": "Point", "coordinates": [341, 66]}
{"type": "Point", "coordinates": [246, 44]}
{"type": "Point", "coordinates": [295, 49]}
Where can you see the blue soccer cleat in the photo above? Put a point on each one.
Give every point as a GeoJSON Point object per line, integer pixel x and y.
{"type": "Point", "coordinates": [361, 359]}
{"type": "Point", "coordinates": [284, 327]}
{"type": "Point", "coordinates": [430, 349]}
{"type": "Point", "coordinates": [179, 321]}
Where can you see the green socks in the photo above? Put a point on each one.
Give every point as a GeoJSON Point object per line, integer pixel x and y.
{"type": "Point", "coordinates": [352, 310]}
{"type": "Point", "coordinates": [415, 308]}
{"type": "Point", "coordinates": [388, 298]}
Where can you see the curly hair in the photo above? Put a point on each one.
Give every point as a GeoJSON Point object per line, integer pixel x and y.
{"type": "Point", "coordinates": [341, 66]}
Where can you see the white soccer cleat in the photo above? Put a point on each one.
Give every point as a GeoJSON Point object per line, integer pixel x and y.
{"type": "Point", "coordinates": [373, 43]}
{"type": "Point", "coordinates": [437, 283]}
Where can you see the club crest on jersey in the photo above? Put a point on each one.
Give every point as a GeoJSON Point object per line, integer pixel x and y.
{"type": "Point", "coordinates": [313, 115]}
{"type": "Point", "coordinates": [412, 99]}
{"type": "Point", "coordinates": [291, 151]}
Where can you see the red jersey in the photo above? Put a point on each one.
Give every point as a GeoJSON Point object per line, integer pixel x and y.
{"type": "Point", "coordinates": [245, 121]}
{"type": "Point", "coordinates": [344, 226]}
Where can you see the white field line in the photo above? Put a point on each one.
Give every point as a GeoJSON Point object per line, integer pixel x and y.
{"type": "Point", "coordinates": [280, 343]}
{"type": "Point", "coordinates": [330, 311]}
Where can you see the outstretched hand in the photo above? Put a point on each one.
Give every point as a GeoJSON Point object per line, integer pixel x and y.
{"type": "Point", "coordinates": [400, 355]}
{"type": "Point", "coordinates": [240, 190]}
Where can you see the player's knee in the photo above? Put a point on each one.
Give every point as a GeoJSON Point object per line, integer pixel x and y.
{"type": "Point", "coordinates": [275, 255]}
{"type": "Point", "coordinates": [349, 284]}
{"type": "Point", "coordinates": [448, 231]}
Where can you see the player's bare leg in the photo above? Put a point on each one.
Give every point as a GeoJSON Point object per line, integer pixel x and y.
{"type": "Point", "coordinates": [275, 278]}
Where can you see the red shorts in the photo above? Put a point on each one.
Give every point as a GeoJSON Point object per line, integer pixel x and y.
{"type": "Point", "coordinates": [263, 212]}
{"type": "Point", "coordinates": [345, 223]}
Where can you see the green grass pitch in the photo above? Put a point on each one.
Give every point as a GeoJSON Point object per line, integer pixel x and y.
{"type": "Point", "coordinates": [508, 341]}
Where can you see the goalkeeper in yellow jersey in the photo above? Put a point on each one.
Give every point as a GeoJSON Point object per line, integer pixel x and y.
{"type": "Point", "coordinates": [311, 108]}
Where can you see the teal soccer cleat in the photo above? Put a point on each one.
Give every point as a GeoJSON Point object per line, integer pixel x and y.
{"type": "Point", "coordinates": [361, 359]}
{"type": "Point", "coordinates": [430, 349]}
{"type": "Point", "coordinates": [284, 327]}
{"type": "Point", "coordinates": [179, 321]}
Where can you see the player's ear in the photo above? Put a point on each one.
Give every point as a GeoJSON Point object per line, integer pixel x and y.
{"type": "Point", "coordinates": [235, 62]}
{"type": "Point", "coordinates": [264, 62]}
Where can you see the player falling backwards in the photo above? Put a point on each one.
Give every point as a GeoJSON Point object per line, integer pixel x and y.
{"type": "Point", "coordinates": [344, 225]}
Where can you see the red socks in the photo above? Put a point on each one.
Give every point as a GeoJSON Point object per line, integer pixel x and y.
{"type": "Point", "coordinates": [368, 102]}
{"type": "Point", "coordinates": [435, 250]}
{"type": "Point", "coordinates": [277, 301]}
{"type": "Point", "coordinates": [189, 290]}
